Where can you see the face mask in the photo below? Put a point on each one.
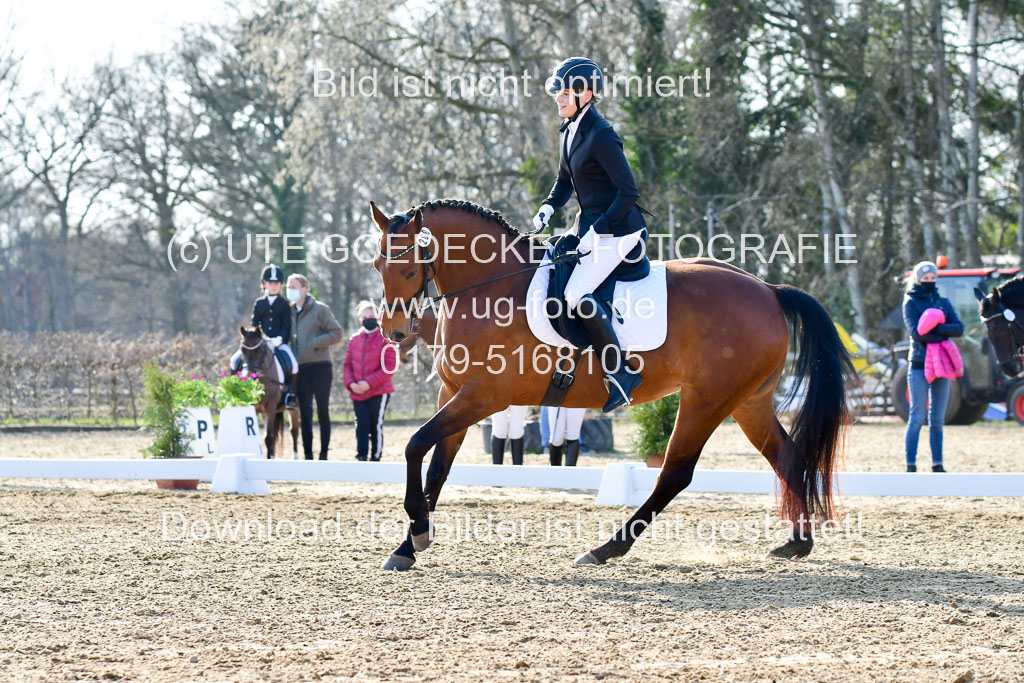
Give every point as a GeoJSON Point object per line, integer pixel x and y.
{"type": "Point", "coordinates": [294, 295]}
{"type": "Point", "coordinates": [370, 323]}
{"type": "Point", "coordinates": [927, 287]}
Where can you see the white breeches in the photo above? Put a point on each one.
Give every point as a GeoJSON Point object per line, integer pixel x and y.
{"type": "Point", "coordinates": [564, 423]}
{"type": "Point", "coordinates": [509, 423]}
{"type": "Point", "coordinates": [291, 357]}
{"type": "Point", "coordinates": [605, 253]}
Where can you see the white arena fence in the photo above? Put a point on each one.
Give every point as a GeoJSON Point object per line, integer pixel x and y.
{"type": "Point", "coordinates": [615, 483]}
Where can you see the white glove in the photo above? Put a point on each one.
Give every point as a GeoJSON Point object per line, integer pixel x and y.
{"type": "Point", "coordinates": [540, 221]}
{"type": "Point", "coordinates": [587, 243]}
{"type": "Point", "coordinates": [275, 341]}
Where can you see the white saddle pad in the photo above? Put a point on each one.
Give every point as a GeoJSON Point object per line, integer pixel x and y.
{"type": "Point", "coordinates": [642, 305]}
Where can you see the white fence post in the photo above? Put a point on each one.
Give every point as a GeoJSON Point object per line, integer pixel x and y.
{"type": "Point", "coordinates": [230, 476]}
{"type": "Point", "coordinates": [617, 484]}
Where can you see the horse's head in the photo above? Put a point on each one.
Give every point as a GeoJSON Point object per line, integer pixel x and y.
{"type": "Point", "coordinates": [253, 346]}
{"type": "Point", "coordinates": [404, 257]}
{"type": "Point", "coordinates": [1003, 313]}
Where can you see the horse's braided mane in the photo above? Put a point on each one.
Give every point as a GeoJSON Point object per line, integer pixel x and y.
{"type": "Point", "coordinates": [1012, 291]}
{"type": "Point", "coordinates": [462, 205]}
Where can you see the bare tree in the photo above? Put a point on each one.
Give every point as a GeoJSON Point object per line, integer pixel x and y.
{"type": "Point", "coordinates": [970, 227]}
{"type": "Point", "coordinates": [57, 151]}
{"type": "Point", "coordinates": [948, 163]}
{"type": "Point", "coordinates": [146, 130]}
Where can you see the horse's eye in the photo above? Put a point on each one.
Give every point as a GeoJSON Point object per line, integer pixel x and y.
{"type": "Point", "coordinates": [410, 275]}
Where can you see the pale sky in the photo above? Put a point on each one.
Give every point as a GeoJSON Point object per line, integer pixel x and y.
{"type": "Point", "coordinates": [69, 37]}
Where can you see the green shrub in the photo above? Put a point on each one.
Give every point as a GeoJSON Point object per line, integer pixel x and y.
{"type": "Point", "coordinates": [194, 392]}
{"type": "Point", "coordinates": [239, 390]}
{"type": "Point", "coordinates": [163, 416]}
{"type": "Point", "coordinates": [655, 421]}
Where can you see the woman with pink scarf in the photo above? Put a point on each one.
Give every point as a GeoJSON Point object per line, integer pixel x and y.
{"type": "Point", "coordinates": [928, 394]}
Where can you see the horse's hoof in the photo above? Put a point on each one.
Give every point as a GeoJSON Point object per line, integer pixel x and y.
{"type": "Point", "coordinates": [588, 558]}
{"type": "Point", "coordinates": [398, 563]}
{"type": "Point", "coordinates": [793, 550]}
{"type": "Point", "coordinates": [422, 541]}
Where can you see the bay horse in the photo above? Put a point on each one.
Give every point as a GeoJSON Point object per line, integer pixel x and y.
{"type": "Point", "coordinates": [1003, 313]}
{"type": "Point", "coordinates": [258, 357]}
{"type": "Point", "coordinates": [724, 353]}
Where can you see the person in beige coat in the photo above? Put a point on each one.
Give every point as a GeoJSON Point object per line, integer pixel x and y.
{"type": "Point", "coordinates": [314, 331]}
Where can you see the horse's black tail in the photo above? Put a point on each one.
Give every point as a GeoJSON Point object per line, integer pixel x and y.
{"type": "Point", "coordinates": [817, 430]}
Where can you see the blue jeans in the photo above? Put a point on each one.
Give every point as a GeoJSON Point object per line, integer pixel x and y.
{"type": "Point", "coordinates": [920, 392]}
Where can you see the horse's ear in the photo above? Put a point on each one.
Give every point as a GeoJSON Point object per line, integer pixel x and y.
{"type": "Point", "coordinates": [978, 294]}
{"type": "Point", "coordinates": [378, 217]}
{"type": "Point", "coordinates": [417, 221]}
{"type": "Point", "coordinates": [258, 331]}
{"type": "Point", "coordinates": [241, 329]}
{"type": "Point", "coordinates": [995, 294]}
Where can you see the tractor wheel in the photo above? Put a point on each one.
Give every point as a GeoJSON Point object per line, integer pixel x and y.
{"type": "Point", "coordinates": [969, 413]}
{"type": "Point", "coordinates": [957, 412]}
{"type": "Point", "coordinates": [1015, 403]}
{"type": "Point", "coordinates": [899, 395]}
{"type": "Point", "coordinates": [596, 435]}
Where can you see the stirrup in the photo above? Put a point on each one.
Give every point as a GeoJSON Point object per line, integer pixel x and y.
{"type": "Point", "coordinates": [618, 396]}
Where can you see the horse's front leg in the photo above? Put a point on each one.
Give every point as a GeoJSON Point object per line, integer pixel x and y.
{"type": "Point", "coordinates": [467, 407]}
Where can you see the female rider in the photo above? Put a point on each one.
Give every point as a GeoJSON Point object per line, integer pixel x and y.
{"type": "Point", "coordinates": [611, 228]}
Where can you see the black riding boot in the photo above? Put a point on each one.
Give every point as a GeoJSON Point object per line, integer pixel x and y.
{"type": "Point", "coordinates": [598, 324]}
{"type": "Point", "coordinates": [555, 454]}
{"type": "Point", "coordinates": [289, 395]}
{"type": "Point", "coordinates": [517, 450]}
{"type": "Point", "coordinates": [497, 450]}
{"type": "Point", "coordinates": [572, 452]}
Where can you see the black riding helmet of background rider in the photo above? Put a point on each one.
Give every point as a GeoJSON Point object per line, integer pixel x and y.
{"type": "Point", "coordinates": [578, 74]}
{"type": "Point", "coordinates": [272, 273]}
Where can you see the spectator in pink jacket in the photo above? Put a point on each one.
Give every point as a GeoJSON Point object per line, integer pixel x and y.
{"type": "Point", "coordinates": [370, 361]}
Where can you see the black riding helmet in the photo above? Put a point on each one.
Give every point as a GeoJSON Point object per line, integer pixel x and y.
{"type": "Point", "coordinates": [578, 74]}
{"type": "Point", "coordinates": [272, 273]}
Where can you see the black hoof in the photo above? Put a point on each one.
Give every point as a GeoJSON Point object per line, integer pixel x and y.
{"type": "Point", "coordinates": [398, 563]}
{"type": "Point", "coordinates": [589, 558]}
{"type": "Point", "coordinates": [793, 549]}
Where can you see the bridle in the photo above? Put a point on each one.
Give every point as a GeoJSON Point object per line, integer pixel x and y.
{"type": "Point", "coordinates": [422, 241]}
{"type": "Point", "coordinates": [259, 370]}
{"type": "Point", "coordinates": [1014, 327]}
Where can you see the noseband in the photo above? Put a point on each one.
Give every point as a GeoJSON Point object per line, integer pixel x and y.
{"type": "Point", "coordinates": [1014, 327]}
{"type": "Point", "coordinates": [422, 241]}
{"type": "Point", "coordinates": [253, 347]}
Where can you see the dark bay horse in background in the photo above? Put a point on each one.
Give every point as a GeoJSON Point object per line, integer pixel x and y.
{"type": "Point", "coordinates": [258, 357]}
{"type": "Point", "coordinates": [1003, 313]}
{"type": "Point", "coordinates": [724, 353]}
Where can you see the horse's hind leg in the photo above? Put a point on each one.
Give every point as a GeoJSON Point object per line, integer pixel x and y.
{"type": "Point", "coordinates": [293, 422]}
{"type": "Point", "coordinates": [684, 449]}
{"type": "Point", "coordinates": [271, 425]}
{"type": "Point", "coordinates": [761, 425]}
{"type": "Point", "coordinates": [279, 434]}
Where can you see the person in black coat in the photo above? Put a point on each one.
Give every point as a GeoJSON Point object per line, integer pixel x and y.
{"type": "Point", "coordinates": [610, 225]}
{"type": "Point", "coordinates": [922, 294]}
{"type": "Point", "coordinates": [272, 314]}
